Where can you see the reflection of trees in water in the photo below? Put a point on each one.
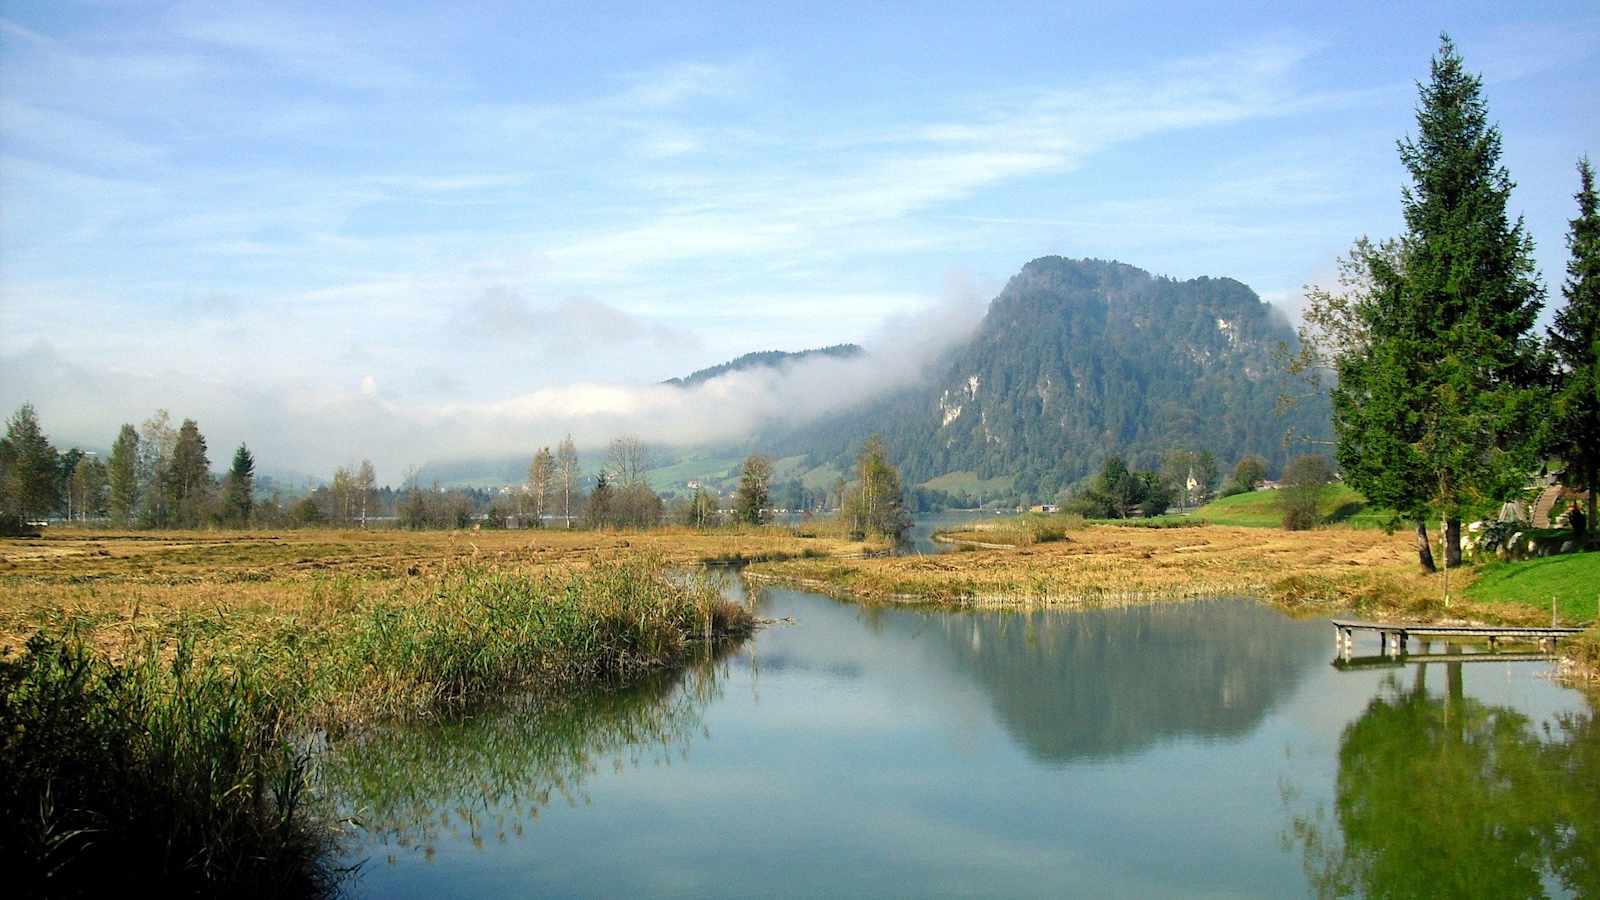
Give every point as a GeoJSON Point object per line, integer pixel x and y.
{"type": "Point", "coordinates": [1450, 797]}
{"type": "Point", "coordinates": [492, 771]}
{"type": "Point", "coordinates": [1108, 682]}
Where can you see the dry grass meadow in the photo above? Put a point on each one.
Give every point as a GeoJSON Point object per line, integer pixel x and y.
{"type": "Point", "coordinates": [116, 585]}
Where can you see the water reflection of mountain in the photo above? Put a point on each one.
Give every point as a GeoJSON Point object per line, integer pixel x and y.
{"type": "Point", "coordinates": [1447, 796]}
{"type": "Point", "coordinates": [1107, 682]}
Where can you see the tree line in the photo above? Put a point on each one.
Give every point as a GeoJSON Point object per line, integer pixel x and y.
{"type": "Point", "coordinates": [620, 496]}
{"type": "Point", "coordinates": [1185, 479]}
{"type": "Point", "coordinates": [158, 476]}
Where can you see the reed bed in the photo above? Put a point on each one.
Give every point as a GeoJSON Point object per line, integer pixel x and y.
{"type": "Point", "coordinates": [151, 772]}
{"type": "Point", "coordinates": [1024, 530]}
{"type": "Point", "coordinates": [154, 731]}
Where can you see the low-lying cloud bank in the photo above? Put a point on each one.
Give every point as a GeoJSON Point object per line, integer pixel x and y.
{"type": "Point", "coordinates": [305, 427]}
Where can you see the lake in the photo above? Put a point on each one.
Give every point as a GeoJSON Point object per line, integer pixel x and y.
{"type": "Point", "coordinates": [1177, 750]}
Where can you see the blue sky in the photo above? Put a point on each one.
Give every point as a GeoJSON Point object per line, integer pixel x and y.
{"type": "Point", "coordinates": [305, 224]}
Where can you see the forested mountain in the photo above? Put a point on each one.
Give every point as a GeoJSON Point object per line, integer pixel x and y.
{"type": "Point", "coordinates": [766, 359]}
{"type": "Point", "coordinates": [1077, 359]}
{"type": "Point", "coordinates": [1074, 360]}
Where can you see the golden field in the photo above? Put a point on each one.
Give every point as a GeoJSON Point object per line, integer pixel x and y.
{"type": "Point", "coordinates": [117, 585]}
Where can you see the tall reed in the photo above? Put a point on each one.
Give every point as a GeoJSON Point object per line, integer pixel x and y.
{"type": "Point", "coordinates": [178, 765]}
{"type": "Point", "coordinates": [150, 772]}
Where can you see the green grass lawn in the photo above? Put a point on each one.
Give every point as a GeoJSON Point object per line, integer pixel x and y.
{"type": "Point", "coordinates": [708, 468]}
{"type": "Point", "coordinates": [1341, 505]}
{"type": "Point", "coordinates": [1573, 579]}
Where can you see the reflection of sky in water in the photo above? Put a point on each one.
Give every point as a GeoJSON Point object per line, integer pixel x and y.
{"type": "Point", "coordinates": [1143, 751]}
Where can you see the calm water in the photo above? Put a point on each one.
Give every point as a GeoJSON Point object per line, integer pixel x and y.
{"type": "Point", "coordinates": [1204, 749]}
{"type": "Point", "coordinates": [920, 538]}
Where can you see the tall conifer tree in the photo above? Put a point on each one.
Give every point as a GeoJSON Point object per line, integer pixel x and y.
{"type": "Point", "coordinates": [123, 473]}
{"type": "Point", "coordinates": [1438, 406]}
{"type": "Point", "coordinates": [1575, 338]}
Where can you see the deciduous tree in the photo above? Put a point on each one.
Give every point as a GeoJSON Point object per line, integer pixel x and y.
{"type": "Point", "coordinates": [541, 474]}
{"type": "Point", "coordinates": [1305, 480]}
{"type": "Point", "coordinates": [567, 473]}
{"type": "Point", "coordinates": [751, 500]}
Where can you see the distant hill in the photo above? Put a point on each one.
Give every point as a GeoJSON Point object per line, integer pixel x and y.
{"type": "Point", "coordinates": [1078, 359]}
{"type": "Point", "coordinates": [765, 359]}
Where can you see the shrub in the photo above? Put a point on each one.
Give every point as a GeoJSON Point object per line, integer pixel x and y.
{"type": "Point", "coordinates": [1300, 499]}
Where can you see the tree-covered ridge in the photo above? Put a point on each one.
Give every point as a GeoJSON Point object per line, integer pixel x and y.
{"type": "Point", "coordinates": [1080, 359]}
{"type": "Point", "coordinates": [765, 359]}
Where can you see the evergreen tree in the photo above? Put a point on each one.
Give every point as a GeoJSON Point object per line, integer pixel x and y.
{"type": "Point", "coordinates": [123, 474]}
{"type": "Point", "coordinates": [1575, 338]}
{"type": "Point", "coordinates": [751, 500]}
{"type": "Point", "coordinates": [240, 497]}
{"type": "Point", "coordinates": [29, 488]}
{"type": "Point", "coordinates": [600, 513]}
{"type": "Point", "coordinates": [189, 475]}
{"type": "Point", "coordinates": [66, 465]}
{"type": "Point", "coordinates": [1438, 405]}
{"type": "Point", "coordinates": [1205, 475]}
{"type": "Point", "coordinates": [1471, 271]}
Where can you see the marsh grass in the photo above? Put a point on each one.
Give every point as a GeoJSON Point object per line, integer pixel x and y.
{"type": "Point", "coordinates": [162, 751]}
{"type": "Point", "coordinates": [154, 772]}
{"type": "Point", "coordinates": [1154, 522]}
{"type": "Point", "coordinates": [1024, 530]}
{"type": "Point", "coordinates": [1583, 653]}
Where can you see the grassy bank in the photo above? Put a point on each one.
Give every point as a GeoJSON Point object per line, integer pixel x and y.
{"type": "Point", "coordinates": [1572, 581]}
{"type": "Point", "coordinates": [1340, 505]}
{"type": "Point", "coordinates": [149, 724]}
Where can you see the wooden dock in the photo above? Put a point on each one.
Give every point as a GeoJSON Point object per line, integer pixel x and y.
{"type": "Point", "coordinates": [1393, 637]}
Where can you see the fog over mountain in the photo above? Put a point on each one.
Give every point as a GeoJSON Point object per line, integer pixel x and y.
{"type": "Point", "coordinates": [300, 426]}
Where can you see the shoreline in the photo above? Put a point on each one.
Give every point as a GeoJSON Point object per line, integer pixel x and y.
{"type": "Point", "coordinates": [1325, 572]}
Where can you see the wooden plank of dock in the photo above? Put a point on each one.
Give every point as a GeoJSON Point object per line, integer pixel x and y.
{"type": "Point", "coordinates": [1393, 636]}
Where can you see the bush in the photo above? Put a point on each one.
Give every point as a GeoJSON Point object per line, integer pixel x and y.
{"type": "Point", "coordinates": [1300, 499]}
{"type": "Point", "coordinates": [13, 526]}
